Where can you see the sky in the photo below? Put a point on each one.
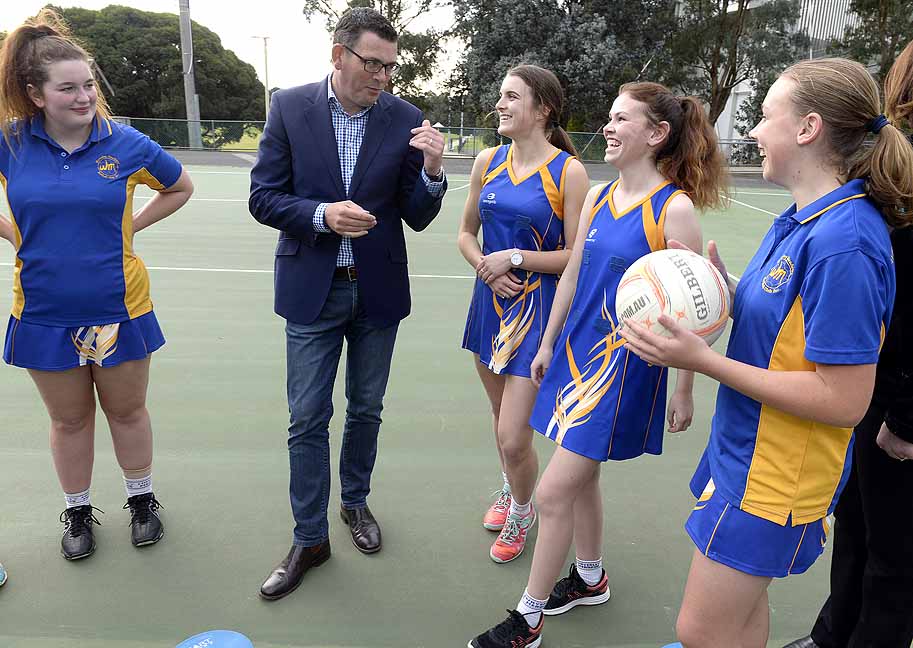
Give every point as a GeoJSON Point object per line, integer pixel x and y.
{"type": "Point", "coordinates": [298, 50]}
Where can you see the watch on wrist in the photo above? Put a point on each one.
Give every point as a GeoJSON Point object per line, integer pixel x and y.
{"type": "Point", "coordinates": [516, 259]}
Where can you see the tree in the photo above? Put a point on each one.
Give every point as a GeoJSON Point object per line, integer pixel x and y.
{"type": "Point", "coordinates": [720, 44]}
{"type": "Point", "coordinates": [592, 46]}
{"type": "Point", "coordinates": [884, 29]}
{"type": "Point", "coordinates": [140, 54]}
{"type": "Point", "coordinates": [418, 50]}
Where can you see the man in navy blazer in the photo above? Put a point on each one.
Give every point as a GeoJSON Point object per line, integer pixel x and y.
{"type": "Point", "coordinates": [341, 165]}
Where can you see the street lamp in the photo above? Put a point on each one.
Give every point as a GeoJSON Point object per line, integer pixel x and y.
{"type": "Point", "coordinates": [265, 75]}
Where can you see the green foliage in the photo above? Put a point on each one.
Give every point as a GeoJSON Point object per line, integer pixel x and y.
{"type": "Point", "coordinates": [886, 26]}
{"type": "Point", "coordinates": [140, 55]}
{"type": "Point", "coordinates": [720, 44]}
{"type": "Point", "coordinates": [591, 46]}
{"type": "Point", "coordinates": [418, 51]}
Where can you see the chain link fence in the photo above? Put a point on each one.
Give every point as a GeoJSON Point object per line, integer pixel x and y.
{"type": "Point", "coordinates": [239, 136]}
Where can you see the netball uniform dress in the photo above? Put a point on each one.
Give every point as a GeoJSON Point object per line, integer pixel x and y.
{"type": "Point", "coordinates": [525, 213]}
{"type": "Point", "coordinates": [820, 289]}
{"type": "Point", "coordinates": [80, 294]}
{"type": "Point", "coordinates": [597, 399]}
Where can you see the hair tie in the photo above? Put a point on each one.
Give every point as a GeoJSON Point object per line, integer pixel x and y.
{"type": "Point", "coordinates": [555, 124]}
{"type": "Point", "coordinates": [875, 124]}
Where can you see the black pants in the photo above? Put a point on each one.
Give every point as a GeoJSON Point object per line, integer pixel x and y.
{"type": "Point", "coordinates": [871, 600]}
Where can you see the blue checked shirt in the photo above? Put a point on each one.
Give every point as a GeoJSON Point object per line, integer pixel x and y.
{"type": "Point", "coordinates": [350, 131]}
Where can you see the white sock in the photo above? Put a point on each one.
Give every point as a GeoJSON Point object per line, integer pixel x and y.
{"type": "Point", "coordinates": [531, 608]}
{"type": "Point", "coordinates": [506, 483]}
{"type": "Point", "coordinates": [520, 509]}
{"type": "Point", "coordinates": [139, 486]}
{"type": "Point", "coordinates": [77, 499]}
{"type": "Point", "coordinates": [590, 570]}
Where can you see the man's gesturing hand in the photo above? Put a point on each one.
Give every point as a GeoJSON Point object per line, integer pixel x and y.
{"type": "Point", "coordinates": [348, 219]}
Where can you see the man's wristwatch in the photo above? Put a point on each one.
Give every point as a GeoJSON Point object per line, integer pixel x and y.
{"type": "Point", "coordinates": [516, 259]}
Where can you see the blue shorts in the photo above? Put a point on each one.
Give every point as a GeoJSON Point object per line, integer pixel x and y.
{"type": "Point", "coordinates": [53, 348]}
{"type": "Point", "coordinates": [726, 534]}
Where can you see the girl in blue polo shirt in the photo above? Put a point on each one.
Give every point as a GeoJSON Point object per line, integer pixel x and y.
{"type": "Point", "coordinates": [809, 314]}
{"type": "Point", "coordinates": [82, 317]}
{"type": "Point", "coordinates": [526, 198]}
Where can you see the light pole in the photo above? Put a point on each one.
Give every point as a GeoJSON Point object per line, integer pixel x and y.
{"type": "Point", "coordinates": [191, 101]}
{"type": "Point", "coordinates": [265, 75]}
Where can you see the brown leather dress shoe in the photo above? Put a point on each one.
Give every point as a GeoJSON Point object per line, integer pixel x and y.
{"type": "Point", "coordinates": [287, 575]}
{"type": "Point", "coordinates": [363, 527]}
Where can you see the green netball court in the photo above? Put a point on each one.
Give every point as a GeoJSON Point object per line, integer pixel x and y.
{"type": "Point", "coordinates": [218, 407]}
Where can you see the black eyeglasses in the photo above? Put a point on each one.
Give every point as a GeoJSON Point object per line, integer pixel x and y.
{"type": "Point", "coordinates": [373, 65]}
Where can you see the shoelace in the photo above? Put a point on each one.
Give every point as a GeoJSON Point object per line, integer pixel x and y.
{"type": "Point", "coordinates": [565, 585]}
{"type": "Point", "coordinates": [77, 520]}
{"type": "Point", "coordinates": [510, 627]}
{"type": "Point", "coordinates": [142, 509]}
{"type": "Point", "coordinates": [503, 498]}
{"type": "Point", "coordinates": [511, 531]}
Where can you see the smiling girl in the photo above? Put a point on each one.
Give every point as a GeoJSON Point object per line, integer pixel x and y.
{"type": "Point", "coordinates": [596, 401]}
{"type": "Point", "coordinates": [526, 199]}
{"type": "Point", "coordinates": [809, 315]}
{"type": "Point", "coordinates": [82, 319]}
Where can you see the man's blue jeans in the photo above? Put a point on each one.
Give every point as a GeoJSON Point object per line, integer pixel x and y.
{"type": "Point", "coordinates": [312, 356]}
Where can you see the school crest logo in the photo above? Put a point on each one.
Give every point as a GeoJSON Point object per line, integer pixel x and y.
{"type": "Point", "coordinates": [108, 166]}
{"type": "Point", "coordinates": [778, 276]}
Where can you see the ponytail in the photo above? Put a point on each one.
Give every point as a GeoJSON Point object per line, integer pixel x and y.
{"type": "Point", "coordinates": [560, 139]}
{"type": "Point", "coordinates": [846, 96]}
{"type": "Point", "coordinates": [550, 96]}
{"type": "Point", "coordinates": [24, 58]}
{"type": "Point", "coordinates": [898, 90]}
{"type": "Point", "coordinates": [690, 157]}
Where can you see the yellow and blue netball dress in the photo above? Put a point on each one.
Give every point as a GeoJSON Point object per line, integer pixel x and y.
{"type": "Point", "coordinates": [820, 289]}
{"type": "Point", "coordinates": [597, 399]}
{"type": "Point", "coordinates": [80, 294]}
{"type": "Point", "coordinates": [525, 213]}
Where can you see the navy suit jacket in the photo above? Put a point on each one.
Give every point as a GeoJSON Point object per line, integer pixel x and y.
{"type": "Point", "coordinates": [297, 168]}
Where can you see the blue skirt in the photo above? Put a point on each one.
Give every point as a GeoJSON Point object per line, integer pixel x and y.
{"type": "Point", "coordinates": [750, 544]}
{"type": "Point", "coordinates": [53, 348]}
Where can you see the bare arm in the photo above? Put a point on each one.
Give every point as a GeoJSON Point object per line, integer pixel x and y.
{"type": "Point", "coordinates": [564, 294]}
{"type": "Point", "coordinates": [164, 203]}
{"type": "Point", "coordinates": [682, 225]}
{"type": "Point", "coordinates": [567, 287]}
{"type": "Point", "coordinates": [471, 223]}
{"type": "Point", "coordinates": [6, 231]}
{"type": "Point", "coordinates": [504, 285]}
{"type": "Point", "coordinates": [831, 394]}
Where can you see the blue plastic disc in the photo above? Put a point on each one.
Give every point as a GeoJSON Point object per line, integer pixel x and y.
{"type": "Point", "coordinates": [217, 639]}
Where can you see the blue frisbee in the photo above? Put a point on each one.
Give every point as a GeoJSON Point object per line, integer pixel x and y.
{"type": "Point", "coordinates": [2, 575]}
{"type": "Point", "coordinates": [217, 639]}
{"type": "Point", "coordinates": [675, 645]}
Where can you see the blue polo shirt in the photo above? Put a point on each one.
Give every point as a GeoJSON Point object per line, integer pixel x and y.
{"type": "Point", "coordinates": [72, 216]}
{"type": "Point", "coordinates": [819, 290]}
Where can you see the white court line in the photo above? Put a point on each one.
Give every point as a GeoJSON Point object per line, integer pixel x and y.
{"type": "Point", "coordinates": [763, 211]}
{"type": "Point", "coordinates": [762, 193]}
{"type": "Point", "coordinates": [254, 271]}
{"type": "Point", "coordinates": [244, 200]}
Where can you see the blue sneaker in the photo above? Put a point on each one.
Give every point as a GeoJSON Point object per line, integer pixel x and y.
{"type": "Point", "coordinates": [2, 575]}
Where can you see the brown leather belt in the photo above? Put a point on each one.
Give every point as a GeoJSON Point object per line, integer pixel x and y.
{"type": "Point", "coordinates": [345, 272]}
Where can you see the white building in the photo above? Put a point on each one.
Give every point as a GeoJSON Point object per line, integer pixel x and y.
{"type": "Point", "coordinates": [822, 20]}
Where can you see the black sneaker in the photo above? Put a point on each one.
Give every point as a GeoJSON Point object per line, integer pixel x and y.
{"type": "Point", "coordinates": [78, 540]}
{"type": "Point", "coordinates": [512, 632]}
{"type": "Point", "coordinates": [145, 525]}
{"type": "Point", "coordinates": [572, 591]}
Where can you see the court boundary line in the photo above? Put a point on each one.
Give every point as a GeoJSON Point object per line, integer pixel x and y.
{"type": "Point", "coordinates": [744, 204]}
{"type": "Point", "coordinates": [262, 271]}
